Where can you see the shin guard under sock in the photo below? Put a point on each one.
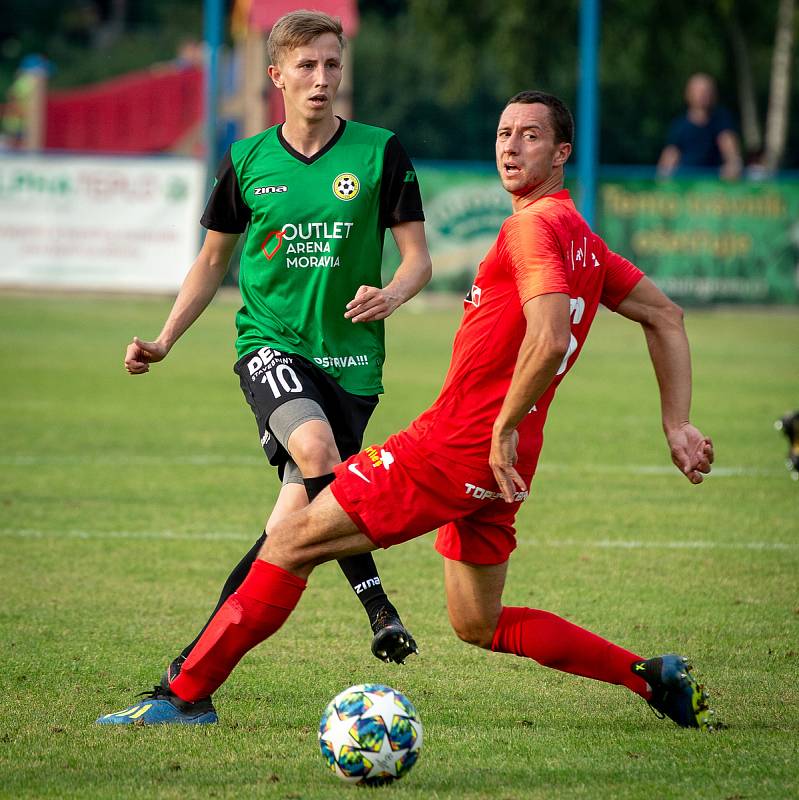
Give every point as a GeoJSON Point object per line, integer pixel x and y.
{"type": "Point", "coordinates": [232, 583]}
{"type": "Point", "coordinates": [251, 614]}
{"type": "Point", "coordinates": [559, 644]}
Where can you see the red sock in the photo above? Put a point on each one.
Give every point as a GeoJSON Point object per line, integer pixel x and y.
{"type": "Point", "coordinates": [557, 643]}
{"type": "Point", "coordinates": [251, 614]}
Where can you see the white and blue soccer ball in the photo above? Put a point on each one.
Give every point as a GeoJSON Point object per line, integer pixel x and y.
{"type": "Point", "coordinates": [370, 734]}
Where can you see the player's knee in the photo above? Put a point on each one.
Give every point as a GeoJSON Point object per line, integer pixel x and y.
{"type": "Point", "coordinates": [478, 632]}
{"type": "Point", "coordinates": [315, 454]}
{"type": "Point", "coordinates": [286, 543]}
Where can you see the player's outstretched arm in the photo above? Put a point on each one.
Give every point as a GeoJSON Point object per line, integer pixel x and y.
{"type": "Point", "coordinates": [662, 321]}
{"type": "Point", "coordinates": [372, 303]}
{"type": "Point", "coordinates": [545, 343]}
{"type": "Point", "coordinates": [198, 289]}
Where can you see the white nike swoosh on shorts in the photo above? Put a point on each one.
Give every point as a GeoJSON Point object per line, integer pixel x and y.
{"type": "Point", "coordinates": [355, 471]}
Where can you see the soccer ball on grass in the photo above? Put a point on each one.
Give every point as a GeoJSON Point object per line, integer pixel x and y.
{"type": "Point", "coordinates": [370, 734]}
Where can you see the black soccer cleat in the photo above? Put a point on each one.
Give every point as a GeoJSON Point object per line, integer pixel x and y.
{"type": "Point", "coordinates": [675, 692]}
{"type": "Point", "coordinates": [171, 672]}
{"type": "Point", "coordinates": [789, 425]}
{"type": "Point", "coordinates": [392, 640]}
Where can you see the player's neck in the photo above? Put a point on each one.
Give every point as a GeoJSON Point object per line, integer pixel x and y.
{"type": "Point", "coordinates": [309, 136]}
{"type": "Point", "coordinates": [551, 185]}
{"type": "Point", "coordinates": [699, 116]}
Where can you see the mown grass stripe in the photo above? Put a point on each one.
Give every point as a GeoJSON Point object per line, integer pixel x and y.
{"type": "Point", "coordinates": [212, 536]}
{"type": "Point", "coordinates": [24, 460]}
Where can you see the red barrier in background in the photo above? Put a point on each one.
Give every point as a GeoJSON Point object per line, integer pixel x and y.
{"type": "Point", "coordinates": [142, 112]}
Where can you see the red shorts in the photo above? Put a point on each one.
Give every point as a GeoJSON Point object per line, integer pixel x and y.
{"type": "Point", "coordinates": [402, 489]}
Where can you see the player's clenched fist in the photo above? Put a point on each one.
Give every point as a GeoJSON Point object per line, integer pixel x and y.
{"type": "Point", "coordinates": [140, 355]}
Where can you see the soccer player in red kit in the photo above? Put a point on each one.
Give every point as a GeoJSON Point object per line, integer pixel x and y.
{"type": "Point", "coordinates": [464, 466]}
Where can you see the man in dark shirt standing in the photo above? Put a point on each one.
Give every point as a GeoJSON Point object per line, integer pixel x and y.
{"type": "Point", "coordinates": [704, 136]}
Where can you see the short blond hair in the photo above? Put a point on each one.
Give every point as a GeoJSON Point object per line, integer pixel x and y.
{"type": "Point", "coordinates": [297, 28]}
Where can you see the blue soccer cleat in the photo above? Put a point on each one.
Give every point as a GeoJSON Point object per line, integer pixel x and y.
{"type": "Point", "coordinates": [161, 707]}
{"type": "Point", "coordinates": [676, 694]}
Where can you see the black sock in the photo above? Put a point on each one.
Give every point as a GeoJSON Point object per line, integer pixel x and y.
{"type": "Point", "coordinates": [232, 583]}
{"type": "Point", "coordinates": [361, 570]}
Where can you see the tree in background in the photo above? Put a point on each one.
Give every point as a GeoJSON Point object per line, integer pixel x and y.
{"type": "Point", "coordinates": [779, 93]}
{"type": "Point", "coordinates": [646, 56]}
{"type": "Point", "coordinates": [744, 27]}
{"type": "Point", "coordinates": [437, 71]}
{"type": "Point", "coordinates": [91, 40]}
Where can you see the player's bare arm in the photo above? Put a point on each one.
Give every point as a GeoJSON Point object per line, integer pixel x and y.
{"type": "Point", "coordinates": [545, 343]}
{"type": "Point", "coordinates": [730, 150]}
{"type": "Point", "coordinates": [413, 274]}
{"type": "Point", "coordinates": [668, 161]}
{"type": "Point", "coordinates": [662, 321]}
{"type": "Point", "coordinates": [199, 287]}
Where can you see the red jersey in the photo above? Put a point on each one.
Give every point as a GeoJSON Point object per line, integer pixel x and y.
{"type": "Point", "coordinates": [545, 247]}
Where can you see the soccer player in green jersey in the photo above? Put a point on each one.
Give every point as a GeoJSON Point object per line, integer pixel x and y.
{"type": "Point", "coordinates": [315, 196]}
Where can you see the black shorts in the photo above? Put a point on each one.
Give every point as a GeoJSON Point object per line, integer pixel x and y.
{"type": "Point", "coordinates": [269, 379]}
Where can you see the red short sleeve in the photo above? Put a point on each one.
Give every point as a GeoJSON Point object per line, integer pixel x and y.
{"type": "Point", "coordinates": [621, 276]}
{"type": "Point", "coordinates": [533, 254]}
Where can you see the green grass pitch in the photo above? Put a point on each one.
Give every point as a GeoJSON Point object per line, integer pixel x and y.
{"type": "Point", "coordinates": [125, 500]}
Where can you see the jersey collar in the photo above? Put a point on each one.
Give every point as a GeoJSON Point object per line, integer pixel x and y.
{"type": "Point", "coordinates": [562, 194]}
{"type": "Point", "coordinates": [317, 155]}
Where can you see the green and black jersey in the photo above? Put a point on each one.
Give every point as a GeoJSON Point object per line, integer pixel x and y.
{"type": "Point", "coordinates": [315, 228]}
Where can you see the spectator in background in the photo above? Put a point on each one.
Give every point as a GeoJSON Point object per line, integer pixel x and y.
{"type": "Point", "coordinates": [21, 98]}
{"type": "Point", "coordinates": [704, 136]}
{"type": "Point", "coordinates": [189, 54]}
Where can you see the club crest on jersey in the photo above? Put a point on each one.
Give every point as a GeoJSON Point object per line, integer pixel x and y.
{"type": "Point", "coordinates": [474, 296]}
{"type": "Point", "coordinates": [346, 186]}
